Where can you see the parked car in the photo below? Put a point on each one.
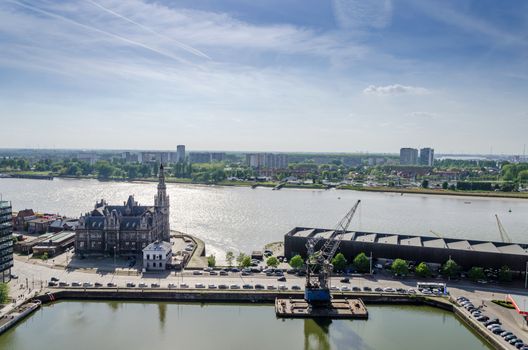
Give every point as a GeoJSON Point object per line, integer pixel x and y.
{"type": "Point", "coordinates": [281, 279]}
{"type": "Point", "coordinates": [154, 285]}
{"type": "Point", "coordinates": [130, 285]}
{"type": "Point", "coordinates": [199, 285]}
{"type": "Point", "coordinates": [98, 284]}
{"type": "Point", "coordinates": [63, 284]}
{"type": "Point", "coordinates": [142, 285]}
{"type": "Point", "coordinates": [54, 279]}
{"type": "Point", "coordinates": [52, 284]}
{"type": "Point", "coordinates": [171, 286]}
{"type": "Point", "coordinates": [76, 284]}
{"type": "Point", "coordinates": [345, 280]}
{"type": "Point", "coordinates": [296, 287]}
{"type": "Point", "coordinates": [87, 284]}
{"type": "Point", "coordinates": [184, 285]}
{"type": "Point", "coordinates": [111, 285]}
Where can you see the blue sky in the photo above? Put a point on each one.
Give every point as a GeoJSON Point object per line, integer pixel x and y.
{"type": "Point", "coordinates": [276, 75]}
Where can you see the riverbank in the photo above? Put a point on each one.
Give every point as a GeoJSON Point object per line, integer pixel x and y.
{"type": "Point", "coordinates": [274, 184]}
{"type": "Point", "coordinates": [441, 192]}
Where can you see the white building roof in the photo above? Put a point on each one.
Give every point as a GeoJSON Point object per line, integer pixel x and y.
{"type": "Point", "coordinates": [158, 246]}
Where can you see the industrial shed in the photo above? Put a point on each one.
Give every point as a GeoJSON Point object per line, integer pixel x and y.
{"type": "Point", "coordinates": [467, 253]}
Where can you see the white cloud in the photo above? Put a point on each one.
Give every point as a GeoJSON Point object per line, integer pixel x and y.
{"type": "Point", "coordinates": [362, 13]}
{"type": "Point", "coordinates": [395, 89]}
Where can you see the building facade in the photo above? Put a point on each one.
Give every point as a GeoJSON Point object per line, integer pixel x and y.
{"type": "Point", "coordinates": [267, 161]}
{"type": "Point", "coordinates": [426, 156]}
{"type": "Point", "coordinates": [408, 156]}
{"type": "Point", "coordinates": [180, 153]}
{"type": "Point", "coordinates": [124, 229]}
{"type": "Point", "coordinates": [6, 241]}
{"type": "Point", "coordinates": [157, 256]}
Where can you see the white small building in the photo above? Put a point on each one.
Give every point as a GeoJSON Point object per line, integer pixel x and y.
{"type": "Point", "coordinates": [157, 255]}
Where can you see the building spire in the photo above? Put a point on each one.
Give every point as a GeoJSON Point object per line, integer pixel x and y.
{"type": "Point", "coordinates": [161, 175]}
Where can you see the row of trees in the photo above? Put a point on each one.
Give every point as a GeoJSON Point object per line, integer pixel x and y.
{"type": "Point", "coordinates": [362, 264]}
{"type": "Point", "coordinates": [4, 293]}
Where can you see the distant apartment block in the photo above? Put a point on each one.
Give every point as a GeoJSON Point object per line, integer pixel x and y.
{"type": "Point", "coordinates": [206, 157]}
{"type": "Point", "coordinates": [6, 241]}
{"type": "Point", "coordinates": [131, 157]}
{"type": "Point", "coordinates": [267, 161]}
{"type": "Point", "coordinates": [408, 156]}
{"type": "Point", "coordinates": [180, 154]}
{"type": "Point", "coordinates": [88, 157]}
{"type": "Point", "coordinates": [427, 156]}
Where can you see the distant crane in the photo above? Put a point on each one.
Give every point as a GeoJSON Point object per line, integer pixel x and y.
{"type": "Point", "coordinates": [319, 263]}
{"type": "Point", "coordinates": [504, 235]}
{"type": "Point", "coordinates": [436, 234]}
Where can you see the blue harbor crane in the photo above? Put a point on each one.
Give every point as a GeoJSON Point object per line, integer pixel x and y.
{"type": "Point", "coordinates": [319, 262]}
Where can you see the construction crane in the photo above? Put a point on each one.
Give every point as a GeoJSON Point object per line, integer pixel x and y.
{"type": "Point", "coordinates": [436, 234]}
{"type": "Point", "coordinates": [319, 263]}
{"type": "Point", "coordinates": [504, 235]}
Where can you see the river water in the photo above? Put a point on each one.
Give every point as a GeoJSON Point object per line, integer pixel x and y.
{"type": "Point", "coordinates": [119, 325]}
{"type": "Point", "coordinates": [244, 219]}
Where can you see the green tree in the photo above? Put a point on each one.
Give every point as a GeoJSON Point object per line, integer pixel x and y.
{"type": "Point", "coordinates": [296, 262]}
{"type": "Point", "coordinates": [425, 183]}
{"type": "Point", "coordinates": [476, 273]}
{"type": "Point", "coordinates": [339, 262]}
{"type": "Point", "coordinates": [211, 261]}
{"type": "Point", "coordinates": [229, 258]}
{"type": "Point", "coordinates": [104, 169]}
{"type": "Point", "coordinates": [505, 274]}
{"type": "Point", "coordinates": [422, 270]}
{"type": "Point", "coordinates": [400, 267]}
{"type": "Point", "coordinates": [44, 256]}
{"type": "Point", "coordinates": [272, 261]}
{"type": "Point", "coordinates": [246, 261]}
{"type": "Point", "coordinates": [450, 268]}
{"type": "Point", "coordinates": [4, 293]}
{"type": "Point", "coordinates": [240, 258]}
{"type": "Point", "coordinates": [362, 263]}
{"type": "Point", "coordinates": [445, 185]}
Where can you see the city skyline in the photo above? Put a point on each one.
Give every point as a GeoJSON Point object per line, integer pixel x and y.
{"type": "Point", "coordinates": [340, 76]}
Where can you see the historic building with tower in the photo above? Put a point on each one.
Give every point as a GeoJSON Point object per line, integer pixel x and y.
{"type": "Point", "coordinates": [124, 229]}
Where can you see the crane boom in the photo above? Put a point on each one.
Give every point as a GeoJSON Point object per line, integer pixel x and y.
{"type": "Point", "coordinates": [318, 263]}
{"type": "Point", "coordinates": [504, 235]}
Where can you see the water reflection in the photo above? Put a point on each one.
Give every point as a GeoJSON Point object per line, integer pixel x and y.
{"type": "Point", "coordinates": [316, 334]}
{"type": "Point", "coordinates": [162, 314]}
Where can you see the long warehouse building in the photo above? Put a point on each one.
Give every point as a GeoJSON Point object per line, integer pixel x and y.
{"type": "Point", "coordinates": [467, 253]}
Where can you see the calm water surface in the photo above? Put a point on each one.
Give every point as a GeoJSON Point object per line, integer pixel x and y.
{"type": "Point", "coordinates": [115, 325]}
{"type": "Point", "coordinates": [243, 219]}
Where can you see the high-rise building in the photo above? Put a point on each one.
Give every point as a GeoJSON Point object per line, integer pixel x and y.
{"type": "Point", "coordinates": [6, 241]}
{"type": "Point", "coordinates": [426, 156]}
{"type": "Point", "coordinates": [408, 156]}
{"type": "Point", "coordinates": [180, 153]}
{"type": "Point", "coordinates": [267, 160]}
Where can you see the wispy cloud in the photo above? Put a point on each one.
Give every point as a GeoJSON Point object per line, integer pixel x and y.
{"type": "Point", "coordinates": [97, 30]}
{"type": "Point", "coordinates": [395, 89]}
{"type": "Point", "coordinates": [443, 12]}
{"type": "Point", "coordinates": [179, 44]}
{"type": "Point", "coordinates": [360, 14]}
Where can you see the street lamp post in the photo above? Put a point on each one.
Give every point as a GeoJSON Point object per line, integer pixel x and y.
{"type": "Point", "coordinates": [115, 248]}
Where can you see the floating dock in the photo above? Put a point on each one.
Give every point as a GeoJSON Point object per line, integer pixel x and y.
{"type": "Point", "coordinates": [17, 314]}
{"type": "Point", "coordinates": [341, 308]}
